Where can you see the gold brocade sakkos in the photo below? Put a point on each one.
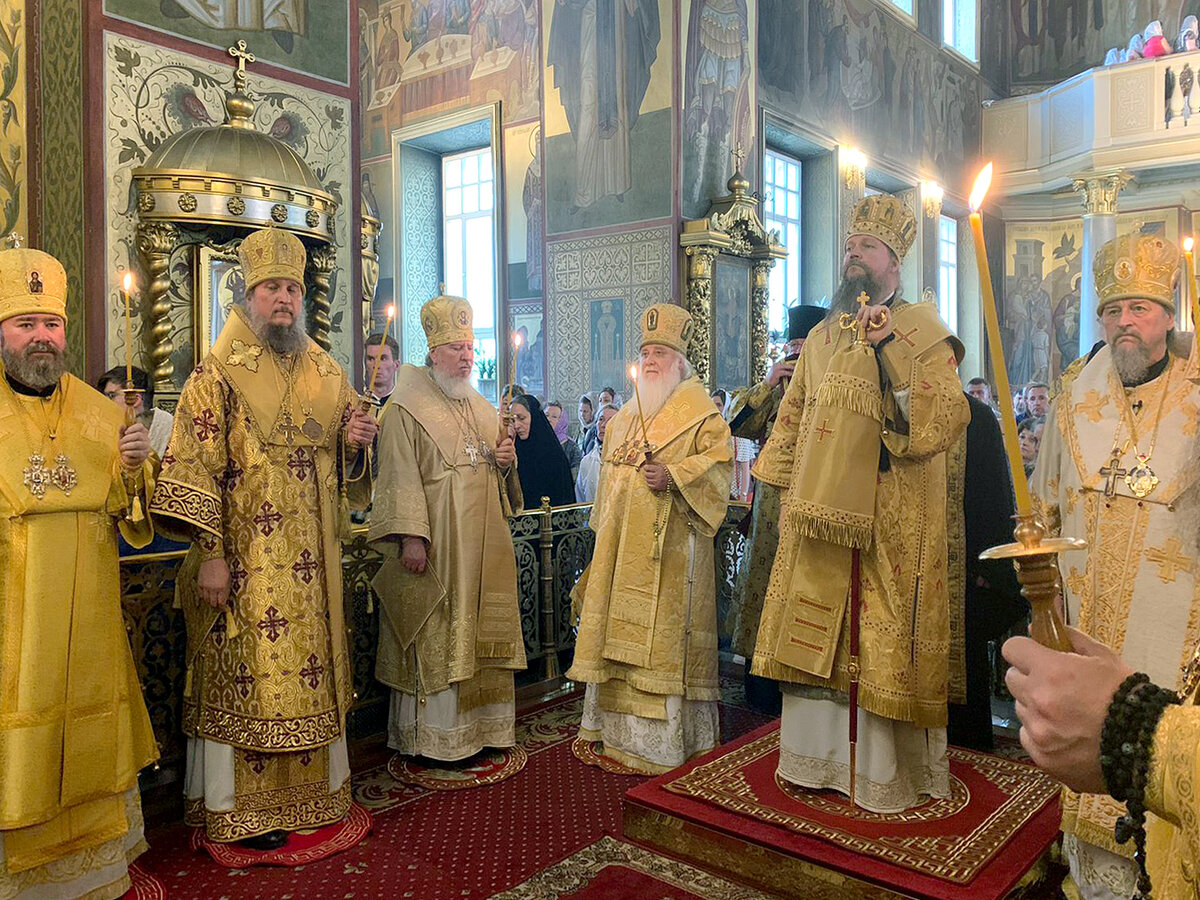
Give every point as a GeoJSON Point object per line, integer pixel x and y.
{"type": "Point", "coordinates": [907, 614]}
{"type": "Point", "coordinates": [439, 484]}
{"type": "Point", "coordinates": [74, 731]}
{"type": "Point", "coordinates": [635, 606]}
{"type": "Point", "coordinates": [254, 473]}
{"type": "Point", "coordinates": [1136, 587]}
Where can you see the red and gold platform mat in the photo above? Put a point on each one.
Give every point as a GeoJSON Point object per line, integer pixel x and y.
{"type": "Point", "coordinates": [729, 812]}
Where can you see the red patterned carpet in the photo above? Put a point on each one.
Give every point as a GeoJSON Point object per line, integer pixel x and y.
{"type": "Point", "coordinates": [439, 845]}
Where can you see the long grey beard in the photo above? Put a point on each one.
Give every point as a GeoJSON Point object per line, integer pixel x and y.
{"type": "Point", "coordinates": [282, 338]}
{"type": "Point", "coordinates": [846, 298]}
{"type": "Point", "coordinates": [35, 373]}
{"type": "Point", "coordinates": [656, 392]}
{"type": "Point", "coordinates": [453, 386]}
{"type": "Point", "coordinates": [1131, 362]}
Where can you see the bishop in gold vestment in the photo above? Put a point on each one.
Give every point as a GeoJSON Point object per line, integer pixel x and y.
{"type": "Point", "coordinates": [73, 728]}
{"type": "Point", "coordinates": [258, 472]}
{"type": "Point", "coordinates": [647, 642]}
{"type": "Point", "coordinates": [863, 463]}
{"type": "Point", "coordinates": [450, 626]}
{"type": "Point", "coordinates": [1116, 468]}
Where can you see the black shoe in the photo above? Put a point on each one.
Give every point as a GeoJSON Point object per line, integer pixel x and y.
{"type": "Point", "coordinates": [272, 840]}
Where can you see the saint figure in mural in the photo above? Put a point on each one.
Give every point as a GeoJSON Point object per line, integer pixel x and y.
{"type": "Point", "coordinates": [416, 25]}
{"type": "Point", "coordinates": [531, 199]}
{"type": "Point", "coordinates": [283, 17]}
{"type": "Point", "coordinates": [387, 53]}
{"type": "Point", "coordinates": [601, 52]}
{"type": "Point", "coordinates": [718, 95]}
{"type": "Point", "coordinates": [607, 363]}
{"type": "Point", "coordinates": [1066, 326]}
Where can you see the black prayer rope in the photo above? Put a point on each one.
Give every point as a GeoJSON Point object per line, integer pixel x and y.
{"type": "Point", "coordinates": [1126, 744]}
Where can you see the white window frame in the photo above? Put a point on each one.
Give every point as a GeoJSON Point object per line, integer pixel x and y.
{"type": "Point", "coordinates": [905, 9]}
{"type": "Point", "coordinates": [786, 285]}
{"type": "Point", "coordinates": [947, 259]}
{"type": "Point", "coordinates": [456, 227]}
{"type": "Point", "coordinates": [954, 29]}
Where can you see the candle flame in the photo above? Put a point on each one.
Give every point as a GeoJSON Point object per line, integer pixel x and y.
{"type": "Point", "coordinates": [127, 282]}
{"type": "Point", "coordinates": [979, 191]}
{"type": "Point", "coordinates": [1188, 243]}
{"type": "Point", "coordinates": [516, 340]}
{"type": "Point", "coordinates": [633, 372]}
{"type": "Point", "coordinates": [391, 311]}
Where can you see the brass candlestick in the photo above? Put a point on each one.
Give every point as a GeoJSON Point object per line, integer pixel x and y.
{"type": "Point", "coordinates": [1035, 557]}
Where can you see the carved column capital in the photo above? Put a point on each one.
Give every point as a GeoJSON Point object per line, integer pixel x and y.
{"type": "Point", "coordinates": [1099, 190]}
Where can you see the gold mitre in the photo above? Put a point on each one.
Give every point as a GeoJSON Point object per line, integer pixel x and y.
{"type": "Point", "coordinates": [885, 217]}
{"type": "Point", "coordinates": [271, 253]}
{"type": "Point", "coordinates": [31, 282]}
{"type": "Point", "coordinates": [447, 320]}
{"type": "Point", "coordinates": [1134, 265]}
{"type": "Point", "coordinates": [667, 324]}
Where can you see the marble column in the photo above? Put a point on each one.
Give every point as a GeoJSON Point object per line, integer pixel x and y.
{"type": "Point", "coordinates": [1099, 192]}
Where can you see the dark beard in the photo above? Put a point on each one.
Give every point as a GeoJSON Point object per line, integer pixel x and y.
{"type": "Point", "coordinates": [35, 373]}
{"type": "Point", "coordinates": [846, 298]}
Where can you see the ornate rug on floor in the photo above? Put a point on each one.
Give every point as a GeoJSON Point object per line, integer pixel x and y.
{"type": "Point", "coordinates": [302, 848]}
{"type": "Point", "coordinates": [486, 767]}
{"type": "Point", "coordinates": [729, 811]}
{"type": "Point", "coordinates": [144, 886]}
{"type": "Point", "coordinates": [612, 870]}
{"type": "Point", "coordinates": [591, 753]}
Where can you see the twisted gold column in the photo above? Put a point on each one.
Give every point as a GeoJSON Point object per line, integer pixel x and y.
{"type": "Point", "coordinates": [758, 320]}
{"type": "Point", "coordinates": [154, 242]}
{"type": "Point", "coordinates": [699, 304]}
{"type": "Point", "coordinates": [322, 262]}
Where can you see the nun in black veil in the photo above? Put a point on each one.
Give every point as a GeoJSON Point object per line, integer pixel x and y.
{"type": "Point", "coordinates": [541, 463]}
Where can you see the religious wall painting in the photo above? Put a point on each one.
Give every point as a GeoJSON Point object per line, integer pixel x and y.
{"type": "Point", "coordinates": [865, 75]}
{"type": "Point", "coordinates": [608, 115]}
{"type": "Point", "coordinates": [1043, 266]}
{"type": "Point", "coordinates": [422, 57]}
{"type": "Point", "coordinates": [731, 315]}
{"type": "Point", "coordinates": [377, 192]}
{"type": "Point", "coordinates": [1050, 40]}
{"type": "Point", "coordinates": [526, 319]}
{"type": "Point", "coordinates": [306, 36]}
{"type": "Point", "coordinates": [524, 222]}
{"type": "Point", "coordinates": [628, 270]}
{"type": "Point", "coordinates": [14, 197]}
{"type": "Point", "coordinates": [152, 92]}
{"type": "Point", "coordinates": [607, 333]}
{"type": "Point", "coordinates": [719, 98]}
{"type": "Point", "coordinates": [219, 286]}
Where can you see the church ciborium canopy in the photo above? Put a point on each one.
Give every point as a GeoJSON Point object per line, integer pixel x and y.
{"type": "Point", "coordinates": [205, 188]}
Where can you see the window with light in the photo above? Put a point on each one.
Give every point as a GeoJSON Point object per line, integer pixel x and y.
{"type": "Point", "coordinates": [905, 6]}
{"type": "Point", "coordinates": [469, 248]}
{"type": "Point", "coordinates": [960, 27]}
{"type": "Point", "coordinates": [948, 271]}
{"type": "Point", "coordinates": [781, 209]}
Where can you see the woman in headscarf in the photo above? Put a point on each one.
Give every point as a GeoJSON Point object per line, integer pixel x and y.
{"type": "Point", "coordinates": [541, 463]}
{"type": "Point", "coordinates": [557, 417]}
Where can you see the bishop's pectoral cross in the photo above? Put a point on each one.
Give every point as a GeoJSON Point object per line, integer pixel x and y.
{"type": "Point", "coordinates": [473, 453]}
{"type": "Point", "coordinates": [1112, 472]}
{"type": "Point", "coordinates": [289, 428]}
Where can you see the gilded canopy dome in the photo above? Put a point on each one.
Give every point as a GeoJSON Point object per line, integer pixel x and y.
{"type": "Point", "coordinates": [233, 174]}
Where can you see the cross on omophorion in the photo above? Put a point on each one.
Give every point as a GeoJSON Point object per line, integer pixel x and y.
{"type": "Point", "coordinates": [1112, 472]}
{"type": "Point", "coordinates": [239, 52]}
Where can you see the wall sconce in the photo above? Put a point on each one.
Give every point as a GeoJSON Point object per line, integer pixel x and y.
{"type": "Point", "coordinates": [931, 199]}
{"type": "Point", "coordinates": [854, 169]}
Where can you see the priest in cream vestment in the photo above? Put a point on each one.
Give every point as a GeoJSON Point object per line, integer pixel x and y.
{"type": "Point", "coordinates": [259, 472]}
{"type": "Point", "coordinates": [73, 728]}
{"type": "Point", "coordinates": [450, 625]}
{"type": "Point", "coordinates": [1114, 469]}
{"type": "Point", "coordinates": [860, 448]}
{"type": "Point", "coordinates": [647, 642]}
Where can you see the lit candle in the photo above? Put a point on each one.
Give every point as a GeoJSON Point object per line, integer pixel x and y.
{"type": "Point", "coordinates": [1008, 418]}
{"type": "Point", "coordinates": [512, 372]}
{"type": "Point", "coordinates": [1189, 268]}
{"type": "Point", "coordinates": [126, 286]}
{"type": "Point", "coordinates": [633, 376]}
{"type": "Point", "coordinates": [391, 311]}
